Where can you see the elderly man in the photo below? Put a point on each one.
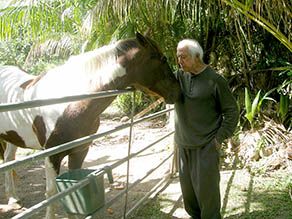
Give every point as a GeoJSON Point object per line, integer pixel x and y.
{"type": "Point", "coordinates": [206, 115]}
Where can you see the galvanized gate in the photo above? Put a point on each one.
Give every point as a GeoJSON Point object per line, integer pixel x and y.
{"type": "Point", "coordinates": [69, 145]}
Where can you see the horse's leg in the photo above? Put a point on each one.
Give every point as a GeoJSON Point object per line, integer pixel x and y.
{"type": "Point", "coordinates": [75, 161]}
{"type": "Point", "coordinates": [77, 157]}
{"type": "Point", "coordinates": [9, 155]}
{"type": "Point", "coordinates": [51, 188]}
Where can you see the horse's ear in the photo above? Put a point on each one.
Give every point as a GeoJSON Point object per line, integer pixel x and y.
{"type": "Point", "coordinates": [141, 39]}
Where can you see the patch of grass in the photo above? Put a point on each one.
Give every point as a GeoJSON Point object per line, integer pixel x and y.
{"type": "Point", "coordinates": [153, 210]}
{"type": "Point", "coordinates": [260, 197]}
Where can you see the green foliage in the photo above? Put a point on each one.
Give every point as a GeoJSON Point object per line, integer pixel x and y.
{"type": "Point", "coordinates": [43, 64]}
{"type": "Point", "coordinates": [125, 103]}
{"type": "Point", "coordinates": [251, 109]}
{"type": "Point", "coordinates": [283, 106]}
{"type": "Point", "coordinates": [14, 52]}
{"type": "Point", "coordinates": [285, 92]}
{"type": "Point", "coordinates": [287, 182]}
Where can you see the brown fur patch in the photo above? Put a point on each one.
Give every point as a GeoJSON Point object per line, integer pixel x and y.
{"type": "Point", "coordinates": [78, 120]}
{"type": "Point", "coordinates": [13, 138]}
{"type": "Point", "coordinates": [2, 149]}
{"type": "Point", "coordinates": [25, 84]}
{"type": "Point", "coordinates": [28, 84]}
{"type": "Point", "coordinates": [39, 128]}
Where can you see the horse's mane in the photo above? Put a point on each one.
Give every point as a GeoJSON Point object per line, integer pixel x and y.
{"type": "Point", "coordinates": [101, 62]}
{"type": "Point", "coordinates": [102, 56]}
{"type": "Point", "coordinates": [90, 62]}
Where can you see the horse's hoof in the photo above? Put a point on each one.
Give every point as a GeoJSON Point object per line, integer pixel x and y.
{"type": "Point", "coordinates": [10, 207]}
{"type": "Point", "coordinates": [16, 205]}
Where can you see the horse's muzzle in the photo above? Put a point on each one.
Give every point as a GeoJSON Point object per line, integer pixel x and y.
{"type": "Point", "coordinates": [173, 96]}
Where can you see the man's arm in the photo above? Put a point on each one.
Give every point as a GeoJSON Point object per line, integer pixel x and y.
{"type": "Point", "coordinates": [229, 110]}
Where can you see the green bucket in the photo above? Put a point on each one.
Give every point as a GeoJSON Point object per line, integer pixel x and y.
{"type": "Point", "coordinates": [85, 200]}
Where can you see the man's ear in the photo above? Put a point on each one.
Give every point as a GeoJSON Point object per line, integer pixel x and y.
{"type": "Point", "coordinates": [141, 39]}
{"type": "Point", "coordinates": [197, 57]}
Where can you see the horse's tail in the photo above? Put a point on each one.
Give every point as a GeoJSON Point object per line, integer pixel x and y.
{"type": "Point", "coordinates": [2, 149]}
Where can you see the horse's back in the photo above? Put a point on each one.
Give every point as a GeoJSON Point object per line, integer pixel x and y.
{"type": "Point", "coordinates": [12, 81]}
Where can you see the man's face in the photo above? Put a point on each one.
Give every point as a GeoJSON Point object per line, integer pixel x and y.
{"type": "Point", "coordinates": [185, 60]}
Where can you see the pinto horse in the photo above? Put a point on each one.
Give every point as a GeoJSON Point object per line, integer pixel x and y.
{"type": "Point", "coordinates": [134, 62]}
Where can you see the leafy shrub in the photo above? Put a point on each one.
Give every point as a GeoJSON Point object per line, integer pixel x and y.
{"type": "Point", "coordinates": [125, 103]}
{"type": "Point", "coordinates": [15, 52]}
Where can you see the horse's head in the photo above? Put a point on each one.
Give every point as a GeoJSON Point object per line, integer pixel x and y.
{"type": "Point", "coordinates": [149, 69]}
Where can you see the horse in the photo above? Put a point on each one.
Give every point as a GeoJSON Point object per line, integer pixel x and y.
{"type": "Point", "coordinates": [136, 62]}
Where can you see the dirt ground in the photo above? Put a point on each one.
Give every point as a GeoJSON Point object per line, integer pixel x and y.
{"type": "Point", "coordinates": [105, 151]}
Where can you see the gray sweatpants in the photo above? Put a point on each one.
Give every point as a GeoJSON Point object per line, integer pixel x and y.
{"type": "Point", "coordinates": [199, 178]}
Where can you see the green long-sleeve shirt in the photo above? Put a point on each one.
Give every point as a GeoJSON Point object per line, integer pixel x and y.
{"type": "Point", "coordinates": [207, 110]}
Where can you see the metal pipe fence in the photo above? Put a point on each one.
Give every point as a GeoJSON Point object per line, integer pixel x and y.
{"type": "Point", "coordinates": [75, 143]}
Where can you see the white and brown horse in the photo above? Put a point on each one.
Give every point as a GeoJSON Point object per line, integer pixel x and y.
{"type": "Point", "coordinates": [134, 62]}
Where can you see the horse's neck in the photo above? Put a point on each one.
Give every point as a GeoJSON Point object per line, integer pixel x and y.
{"type": "Point", "coordinates": [97, 106]}
{"type": "Point", "coordinates": [100, 104]}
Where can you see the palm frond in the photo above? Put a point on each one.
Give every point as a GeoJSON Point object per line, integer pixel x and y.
{"type": "Point", "coordinates": [270, 22]}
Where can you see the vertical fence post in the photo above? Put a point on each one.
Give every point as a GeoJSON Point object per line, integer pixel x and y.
{"type": "Point", "coordinates": [174, 164]}
{"type": "Point", "coordinates": [129, 152]}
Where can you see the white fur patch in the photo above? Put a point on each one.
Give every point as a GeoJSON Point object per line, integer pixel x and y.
{"type": "Point", "coordinates": [11, 78]}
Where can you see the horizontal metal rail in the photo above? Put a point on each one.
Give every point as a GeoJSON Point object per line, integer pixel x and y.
{"type": "Point", "coordinates": [72, 144]}
{"type": "Point", "coordinates": [44, 102]}
{"type": "Point", "coordinates": [121, 161]}
{"type": "Point", "coordinates": [164, 181]}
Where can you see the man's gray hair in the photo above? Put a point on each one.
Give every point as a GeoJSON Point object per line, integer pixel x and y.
{"type": "Point", "coordinates": [193, 46]}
